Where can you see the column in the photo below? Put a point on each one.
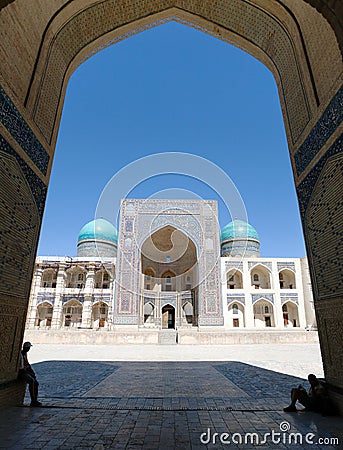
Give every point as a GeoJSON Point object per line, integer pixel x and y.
{"type": "Point", "coordinates": [278, 314]}
{"type": "Point", "coordinates": [300, 291]}
{"type": "Point", "coordinates": [249, 307]}
{"type": "Point", "coordinates": [56, 321]}
{"type": "Point", "coordinates": [88, 297]}
{"type": "Point", "coordinates": [36, 285]}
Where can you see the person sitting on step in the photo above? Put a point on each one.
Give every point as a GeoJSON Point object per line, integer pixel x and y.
{"type": "Point", "coordinates": [312, 400]}
{"type": "Point", "coordinates": [27, 374]}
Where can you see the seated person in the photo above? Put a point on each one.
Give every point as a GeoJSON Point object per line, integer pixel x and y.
{"type": "Point", "coordinates": [312, 400]}
{"type": "Point", "coordinates": [27, 374]}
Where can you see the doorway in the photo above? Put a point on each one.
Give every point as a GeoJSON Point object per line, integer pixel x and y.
{"type": "Point", "coordinates": [168, 317]}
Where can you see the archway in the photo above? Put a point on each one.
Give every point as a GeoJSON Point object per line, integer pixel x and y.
{"type": "Point", "coordinates": [44, 315]}
{"type": "Point", "coordinates": [260, 277]}
{"type": "Point", "coordinates": [169, 268]}
{"type": "Point", "coordinates": [264, 314]}
{"type": "Point", "coordinates": [236, 315]}
{"type": "Point", "coordinates": [234, 279]}
{"type": "Point", "coordinates": [287, 279]}
{"type": "Point", "coordinates": [72, 314]}
{"type": "Point", "coordinates": [308, 73]}
{"type": "Point", "coordinates": [99, 315]}
{"type": "Point", "coordinates": [290, 315]}
{"type": "Point", "coordinates": [168, 317]}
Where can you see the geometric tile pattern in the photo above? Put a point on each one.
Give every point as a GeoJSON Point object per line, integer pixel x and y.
{"type": "Point", "coordinates": [20, 223]}
{"type": "Point", "coordinates": [305, 188]}
{"type": "Point", "coordinates": [285, 265]}
{"type": "Point", "coordinates": [235, 298]}
{"type": "Point", "coordinates": [67, 298]}
{"type": "Point", "coordinates": [45, 297]}
{"type": "Point", "coordinates": [13, 121]}
{"type": "Point", "coordinates": [320, 133]}
{"type": "Point", "coordinates": [323, 225]}
{"type": "Point", "coordinates": [289, 298]}
{"type": "Point", "coordinates": [256, 297]}
{"type": "Point", "coordinates": [37, 186]}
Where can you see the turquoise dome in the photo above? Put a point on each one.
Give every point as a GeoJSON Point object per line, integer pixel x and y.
{"type": "Point", "coordinates": [238, 229]}
{"type": "Point", "coordinates": [98, 229]}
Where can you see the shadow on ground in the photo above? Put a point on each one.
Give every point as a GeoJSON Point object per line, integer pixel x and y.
{"type": "Point", "coordinates": [163, 405]}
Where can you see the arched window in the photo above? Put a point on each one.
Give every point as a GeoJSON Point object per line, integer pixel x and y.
{"type": "Point", "coordinates": [234, 308]}
{"type": "Point", "coordinates": [49, 278]}
{"type": "Point", "coordinates": [266, 309]}
{"type": "Point", "coordinates": [168, 279]}
{"type": "Point", "coordinates": [256, 277]}
{"type": "Point", "coordinates": [149, 275]}
{"type": "Point", "coordinates": [284, 308]}
{"type": "Point", "coordinates": [280, 276]}
{"type": "Point", "coordinates": [80, 277]}
{"type": "Point", "coordinates": [168, 259]}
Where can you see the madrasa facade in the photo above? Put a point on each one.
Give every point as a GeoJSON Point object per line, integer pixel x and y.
{"type": "Point", "coordinates": [169, 267]}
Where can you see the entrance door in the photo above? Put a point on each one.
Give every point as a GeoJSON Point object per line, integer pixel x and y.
{"type": "Point", "coordinates": [268, 321]}
{"type": "Point", "coordinates": [168, 317]}
{"type": "Point", "coordinates": [285, 319]}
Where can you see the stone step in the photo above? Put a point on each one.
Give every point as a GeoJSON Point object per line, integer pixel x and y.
{"type": "Point", "coordinates": [167, 337]}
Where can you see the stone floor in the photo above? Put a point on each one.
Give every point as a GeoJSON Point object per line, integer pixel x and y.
{"type": "Point", "coordinates": [158, 403]}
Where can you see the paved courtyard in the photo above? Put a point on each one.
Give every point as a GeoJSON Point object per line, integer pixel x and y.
{"type": "Point", "coordinates": [169, 397]}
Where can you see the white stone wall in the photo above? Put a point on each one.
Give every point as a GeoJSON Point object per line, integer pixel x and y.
{"type": "Point", "coordinates": [298, 299]}
{"type": "Point", "coordinates": [273, 296]}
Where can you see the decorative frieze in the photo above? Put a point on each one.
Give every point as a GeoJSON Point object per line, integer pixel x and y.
{"type": "Point", "coordinates": [256, 297]}
{"type": "Point", "coordinates": [235, 298]}
{"type": "Point", "coordinates": [286, 265]}
{"type": "Point", "coordinates": [67, 298]}
{"type": "Point", "coordinates": [285, 297]}
{"type": "Point", "coordinates": [252, 264]}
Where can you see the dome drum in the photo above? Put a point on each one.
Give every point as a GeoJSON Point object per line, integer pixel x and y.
{"type": "Point", "coordinates": [239, 238]}
{"type": "Point", "coordinates": [97, 238]}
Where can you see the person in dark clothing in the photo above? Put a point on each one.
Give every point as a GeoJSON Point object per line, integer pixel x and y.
{"type": "Point", "coordinates": [27, 374]}
{"type": "Point", "coordinates": [312, 400]}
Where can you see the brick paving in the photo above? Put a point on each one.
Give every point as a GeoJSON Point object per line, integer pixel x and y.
{"type": "Point", "coordinates": [161, 405]}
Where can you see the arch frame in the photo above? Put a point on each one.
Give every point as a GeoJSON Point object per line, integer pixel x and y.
{"type": "Point", "coordinates": [282, 23]}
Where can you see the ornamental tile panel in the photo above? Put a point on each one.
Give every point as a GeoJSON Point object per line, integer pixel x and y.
{"type": "Point", "coordinates": [233, 298]}
{"type": "Point", "coordinates": [320, 133]}
{"type": "Point", "coordinates": [13, 121]}
{"type": "Point", "coordinates": [256, 297]}
{"type": "Point", "coordinates": [285, 265]}
{"type": "Point", "coordinates": [305, 188]}
{"type": "Point", "coordinates": [289, 298]}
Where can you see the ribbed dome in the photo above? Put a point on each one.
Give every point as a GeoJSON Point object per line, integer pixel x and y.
{"type": "Point", "coordinates": [98, 229]}
{"type": "Point", "coordinates": [238, 229]}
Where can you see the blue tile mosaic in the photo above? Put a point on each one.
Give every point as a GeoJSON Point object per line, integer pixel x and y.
{"type": "Point", "coordinates": [11, 118]}
{"type": "Point", "coordinates": [326, 125]}
{"type": "Point", "coordinates": [66, 298]}
{"type": "Point", "coordinates": [37, 186]}
{"type": "Point", "coordinates": [230, 298]}
{"type": "Point", "coordinates": [256, 297]}
{"type": "Point", "coordinates": [46, 297]}
{"type": "Point", "coordinates": [305, 188]}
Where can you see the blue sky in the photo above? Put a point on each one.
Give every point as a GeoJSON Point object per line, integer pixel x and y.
{"type": "Point", "coordinates": [173, 89]}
